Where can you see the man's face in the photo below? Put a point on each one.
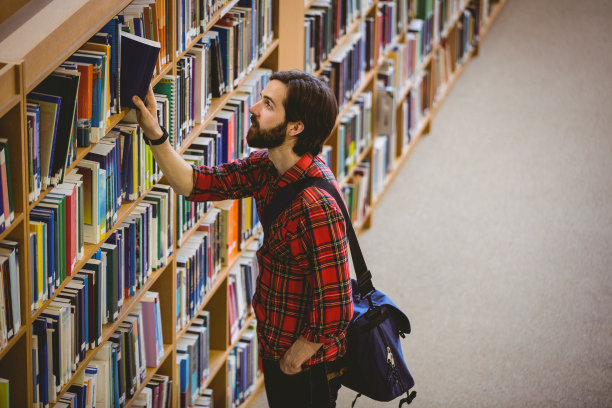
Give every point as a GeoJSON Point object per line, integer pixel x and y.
{"type": "Point", "coordinates": [268, 126]}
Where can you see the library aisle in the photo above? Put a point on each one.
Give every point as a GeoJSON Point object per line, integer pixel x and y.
{"type": "Point", "coordinates": [499, 225]}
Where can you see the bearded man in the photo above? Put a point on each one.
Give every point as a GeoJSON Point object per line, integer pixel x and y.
{"type": "Point", "coordinates": [302, 301]}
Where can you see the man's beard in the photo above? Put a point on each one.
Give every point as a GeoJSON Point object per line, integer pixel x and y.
{"type": "Point", "coordinates": [266, 138]}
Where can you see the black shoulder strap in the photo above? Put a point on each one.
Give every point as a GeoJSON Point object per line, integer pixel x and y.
{"type": "Point", "coordinates": [283, 198]}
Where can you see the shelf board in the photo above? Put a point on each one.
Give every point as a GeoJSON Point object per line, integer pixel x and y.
{"type": "Point", "coordinates": [451, 82]}
{"type": "Point", "coordinates": [366, 152]}
{"type": "Point", "coordinates": [221, 276]}
{"type": "Point", "coordinates": [217, 104]}
{"type": "Point", "coordinates": [164, 71]}
{"type": "Point", "coordinates": [9, 86]}
{"type": "Point", "coordinates": [110, 328]}
{"type": "Point", "coordinates": [216, 360]}
{"type": "Point", "coordinates": [11, 343]}
{"type": "Point", "coordinates": [151, 371]}
{"type": "Point", "coordinates": [412, 81]}
{"type": "Point", "coordinates": [19, 217]}
{"type": "Point", "coordinates": [247, 322]}
{"type": "Point", "coordinates": [251, 398]}
{"type": "Point", "coordinates": [361, 228]}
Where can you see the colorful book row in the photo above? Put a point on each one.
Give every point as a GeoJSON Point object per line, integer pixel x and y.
{"type": "Point", "coordinates": [60, 339]}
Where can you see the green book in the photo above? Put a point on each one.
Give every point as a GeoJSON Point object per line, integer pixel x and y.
{"type": "Point", "coordinates": [166, 87]}
{"type": "Point", "coordinates": [59, 202]}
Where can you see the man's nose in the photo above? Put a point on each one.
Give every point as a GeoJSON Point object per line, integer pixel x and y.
{"type": "Point", "coordinates": [256, 107]}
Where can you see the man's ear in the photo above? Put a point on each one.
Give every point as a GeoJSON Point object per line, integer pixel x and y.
{"type": "Point", "coordinates": [295, 128]}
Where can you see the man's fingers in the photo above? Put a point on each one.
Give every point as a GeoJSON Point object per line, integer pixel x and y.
{"type": "Point", "coordinates": [150, 96]}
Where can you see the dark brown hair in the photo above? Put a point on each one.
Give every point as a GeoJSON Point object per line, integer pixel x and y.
{"type": "Point", "coordinates": [312, 102]}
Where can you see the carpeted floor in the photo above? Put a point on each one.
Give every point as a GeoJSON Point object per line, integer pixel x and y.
{"type": "Point", "coordinates": [496, 238]}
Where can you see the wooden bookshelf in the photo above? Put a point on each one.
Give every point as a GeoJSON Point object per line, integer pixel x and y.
{"type": "Point", "coordinates": [36, 36]}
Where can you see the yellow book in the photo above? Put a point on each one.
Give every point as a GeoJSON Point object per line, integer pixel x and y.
{"type": "Point", "coordinates": [4, 393]}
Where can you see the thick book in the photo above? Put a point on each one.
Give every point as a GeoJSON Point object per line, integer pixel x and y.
{"type": "Point", "coordinates": [49, 106]}
{"type": "Point", "coordinates": [11, 250]}
{"type": "Point", "coordinates": [64, 85]}
{"type": "Point", "coordinates": [138, 60]}
{"type": "Point", "coordinates": [96, 61]}
{"type": "Point", "coordinates": [4, 393]}
{"type": "Point", "coordinates": [84, 104]}
{"type": "Point", "coordinates": [152, 329]}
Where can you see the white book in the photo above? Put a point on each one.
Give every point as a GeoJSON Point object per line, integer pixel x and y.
{"type": "Point", "coordinates": [10, 249]}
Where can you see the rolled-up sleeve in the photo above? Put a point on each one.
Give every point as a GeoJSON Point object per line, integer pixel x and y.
{"type": "Point", "coordinates": [326, 248]}
{"type": "Point", "coordinates": [238, 179]}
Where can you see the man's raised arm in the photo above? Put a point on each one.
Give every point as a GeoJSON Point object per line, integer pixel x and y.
{"type": "Point", "coordinates": [178, 172]}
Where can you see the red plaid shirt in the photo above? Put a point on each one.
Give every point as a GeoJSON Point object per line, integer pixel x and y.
{"type": "Point", "coordinates": [303, 287]}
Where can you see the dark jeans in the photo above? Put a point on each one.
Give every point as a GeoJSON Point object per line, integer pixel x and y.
{"type": "Point", "coordinates": [310, 388]}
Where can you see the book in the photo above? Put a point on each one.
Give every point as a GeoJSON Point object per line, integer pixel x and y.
{"type": "Point", "coordinates": [84, 104]}
{"type": "Point", "coordinates": [6, 182]}
{"type": "Point", "coordinates": [4, 393]}
{"type": "Point", "coordinates": [96, 60]}
{"type": "Point", "coordinates": [154, 344]}
{"type": "Point", "coordinates": [64, 84]}
{"type": "Point", "coordinates": [138, 60]}
{"type": "Point", "coordinates": [49, 106]}
{"type": "Point", "coordinates": [10, 249]}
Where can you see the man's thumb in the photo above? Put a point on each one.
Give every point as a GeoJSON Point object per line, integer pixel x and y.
{"type": "Point", "coordinates": [138, 102]}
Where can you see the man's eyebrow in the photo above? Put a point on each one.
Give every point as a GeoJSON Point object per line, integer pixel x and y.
{"type": "Point", "coordinates": [268, 98]}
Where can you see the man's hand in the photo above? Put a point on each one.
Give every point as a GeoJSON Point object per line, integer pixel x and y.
{"type": "Point", "coordinates": [298, 354]}
{"type": "Point", "coordinates": [147, 116]}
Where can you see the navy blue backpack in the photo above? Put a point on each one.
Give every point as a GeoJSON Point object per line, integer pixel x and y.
{"type": "Point", "coordinates": [374, 365]}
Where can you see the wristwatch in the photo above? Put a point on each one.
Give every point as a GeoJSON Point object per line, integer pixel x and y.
{"type": "Point", "coordinates": [156, 141]}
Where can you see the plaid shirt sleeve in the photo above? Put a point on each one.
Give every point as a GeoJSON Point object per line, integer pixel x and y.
{"type": "Point", "coordinates": [234, 180]}
{"type": "Point", "coordinates": [326, 248]}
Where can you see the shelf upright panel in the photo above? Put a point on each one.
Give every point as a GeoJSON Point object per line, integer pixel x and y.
{"type": "Point", "coordinates": [15, 360]}
{"type": "Point", "coordinates": [288, 20]}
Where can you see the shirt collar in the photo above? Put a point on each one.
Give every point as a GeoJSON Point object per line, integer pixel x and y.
{"type": "Point", "coordinates": [297, 171]}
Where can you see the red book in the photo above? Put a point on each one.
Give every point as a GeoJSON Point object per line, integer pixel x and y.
{"type": "Point", "coordinates": [69, 190]}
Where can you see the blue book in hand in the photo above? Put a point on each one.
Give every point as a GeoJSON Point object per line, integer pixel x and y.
{"type": "Point", "coordinates": [138, 60]}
